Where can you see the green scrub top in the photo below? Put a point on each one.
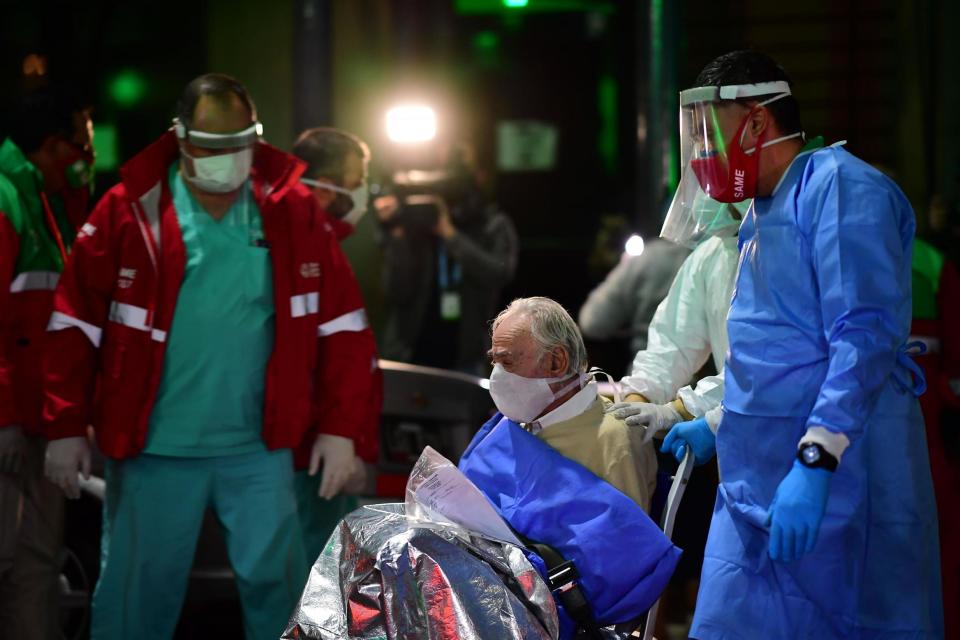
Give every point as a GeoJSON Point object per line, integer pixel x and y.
{"type": "Point", "coordinates": [210, 400]}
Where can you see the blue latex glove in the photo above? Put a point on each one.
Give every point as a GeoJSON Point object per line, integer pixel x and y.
{"type": "Point", "coordinates": [797, 510]}
{"type": "Point", "coordinates": [697, 435]}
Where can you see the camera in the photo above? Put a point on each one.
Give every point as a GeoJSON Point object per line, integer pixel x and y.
{"type": "Point", "coordinates": [417, 192]}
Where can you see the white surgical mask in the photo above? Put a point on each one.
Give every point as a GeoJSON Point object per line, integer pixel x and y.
{"type": "Point", "coordinates": [221, 173]}
{"type": "Point", "coordinates": [524, 399]}
{"type": "Point", "coordinates": [359, 196]}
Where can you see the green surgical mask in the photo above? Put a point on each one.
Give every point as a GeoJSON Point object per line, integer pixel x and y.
{"type": "Point", "coordinates": [79, 173]}
{"type": "Point", "coordinates": [718, 218]}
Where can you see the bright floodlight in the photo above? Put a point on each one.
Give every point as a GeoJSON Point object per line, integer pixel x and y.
{"type": "Point", "coordinates": [634, 246]}
{"type": "Point", "coordinates": [411, 123]}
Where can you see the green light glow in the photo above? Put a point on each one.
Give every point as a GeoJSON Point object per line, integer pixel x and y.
{"type": "Point", "coordinates": [127, 88]}
{"type": "Point", "coordinates": [107, 146]}
{"type": "Point", "coordinates": [486, 48]}
{"type": "Point", "coordinates": [607, 109]}
{"type": "Point", "coordinates": [718, 141]}
{"type": "Point", "coordinates": [540, 6]}
{"type": "Point", "coordinates": [486, 40]}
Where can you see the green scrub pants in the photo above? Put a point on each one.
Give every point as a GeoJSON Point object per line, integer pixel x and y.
{"type": "Point", "coordinates": [318, 517]}
{"type": "Point", "coordinates": [152, 517]}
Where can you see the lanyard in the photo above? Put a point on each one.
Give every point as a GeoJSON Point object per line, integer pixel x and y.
{"type": "Point", "coordinates": [443, 276]}
{"type": "Point", "coordinates": [52, 224]}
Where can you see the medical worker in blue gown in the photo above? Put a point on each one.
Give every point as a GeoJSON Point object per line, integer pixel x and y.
{"type": "Point", "coordinates": [825, 524]}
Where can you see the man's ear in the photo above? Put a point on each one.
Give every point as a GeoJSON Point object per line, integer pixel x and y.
{"type": "Point", "coordinates": [559, 362]}
{"type": "Point", "coordinates": [760, 122]}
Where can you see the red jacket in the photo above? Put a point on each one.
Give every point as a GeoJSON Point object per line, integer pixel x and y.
{"type": "Point", "coordinates": [115, 301]}
{"type": "Point", "coordinates": [341, 228]}
{"type": "Point", "coordinates": [23, 316]}
{"type": "Point", "coordinates": [32, 242]}
{"type": "Point", "coordinates": [374, 402]}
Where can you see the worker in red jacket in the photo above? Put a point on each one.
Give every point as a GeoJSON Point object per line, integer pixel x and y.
{"type": "Point", "coordinates": [206, 324]}
{"type": "Point", "coordinates": [45, 172]}
{"type": "Point", "coordinates": [336, 176]}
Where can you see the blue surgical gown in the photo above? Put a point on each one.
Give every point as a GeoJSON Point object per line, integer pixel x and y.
{"type": "Point", "coordinates": [820, 315]}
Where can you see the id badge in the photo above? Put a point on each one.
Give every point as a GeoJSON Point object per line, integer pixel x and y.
{"type": "Point", "coordinates": [450, 305]}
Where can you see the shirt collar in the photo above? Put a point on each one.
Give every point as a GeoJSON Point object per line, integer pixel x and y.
{"type": "Point", "coordinates": [573, 407]}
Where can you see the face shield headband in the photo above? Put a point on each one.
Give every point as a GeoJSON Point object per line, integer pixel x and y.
{"type": "Point", "coordinates": [206, 140]}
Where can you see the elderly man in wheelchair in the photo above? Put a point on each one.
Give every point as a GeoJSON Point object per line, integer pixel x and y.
{"type": "Point", "coordinates": [540, 532]}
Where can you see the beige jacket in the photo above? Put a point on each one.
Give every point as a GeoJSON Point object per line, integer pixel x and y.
{"type": "Point", "coordinates": [609, 448]}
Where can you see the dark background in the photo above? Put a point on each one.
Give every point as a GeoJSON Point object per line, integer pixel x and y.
{"type": "Point", "coordinates": [606, 74]}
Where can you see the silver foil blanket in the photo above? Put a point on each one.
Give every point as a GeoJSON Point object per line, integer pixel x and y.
{"type": "Point", "coordinates": [383, 575]}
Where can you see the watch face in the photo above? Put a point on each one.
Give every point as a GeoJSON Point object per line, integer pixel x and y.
{"type": "Point", "coordinates": [811, 454]}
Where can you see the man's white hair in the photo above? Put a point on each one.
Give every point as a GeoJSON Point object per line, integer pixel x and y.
{"type": "Point", "coordinates": [550, 326]}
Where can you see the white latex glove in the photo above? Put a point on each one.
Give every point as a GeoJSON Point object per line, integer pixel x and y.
{"type": "Point", "coordinates": [66, 459]}
{"type": "Point", "coordinates": [654, 418]}
{"type": "Point", "coordinates": [337, 455]}
{"type": "Point", "coordinates": [12, 446]}
{"type": "Point", "coordinates": [714, 417]}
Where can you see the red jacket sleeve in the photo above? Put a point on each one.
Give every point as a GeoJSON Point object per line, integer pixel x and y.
{"type": "Point", "coordinates": [80, 309]}
{"type": "Point", "coordinates": [349, 384]}
{"type": "Point", "coordinates": [9, 250]}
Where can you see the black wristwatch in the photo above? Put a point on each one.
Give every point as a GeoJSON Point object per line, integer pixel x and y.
{"type": "Point", "coordinates": [813, 455]}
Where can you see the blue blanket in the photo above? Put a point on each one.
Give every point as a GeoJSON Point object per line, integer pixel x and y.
{"type": "Point", "coordinates": [623, 557]}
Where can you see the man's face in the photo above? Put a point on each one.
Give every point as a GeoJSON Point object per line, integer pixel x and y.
{"type": "Point", "coordinates": [83, 131]}
{"type": "Point", "coordinates": [61, 151]}
{"type": "Point", "coordinates": [218, 115]}
{"type": "Point", "coordinates": [354, 176]}
{"type": "Point", "coordinates": [730, 116]}
{"type": "Point", "coordinates": [515, 349]}
{"type": "Point", "coordinates": [715, 126]}
{"type": "Point", "coordinates": [80, 141]}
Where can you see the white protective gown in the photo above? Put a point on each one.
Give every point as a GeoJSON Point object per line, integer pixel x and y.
{"type": "Point", "coordinates": [688, 327]}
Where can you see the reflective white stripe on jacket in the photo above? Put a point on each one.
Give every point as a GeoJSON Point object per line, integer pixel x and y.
{"type": "Point", "coordinates": [354, 321]}
{"type": "Point", "coordinates": [35, 281]}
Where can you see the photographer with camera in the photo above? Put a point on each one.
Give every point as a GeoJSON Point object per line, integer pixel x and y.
{"type": "Point", "coordinates": [448, 252]}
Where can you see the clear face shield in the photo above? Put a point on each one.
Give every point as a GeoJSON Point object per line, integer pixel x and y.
{"type": "Point", "coordinates": [718, 177]}
{"type": "Point", "coordinates": [704, 217]}
{"type": "Point", "coordinates": [228, 166]}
